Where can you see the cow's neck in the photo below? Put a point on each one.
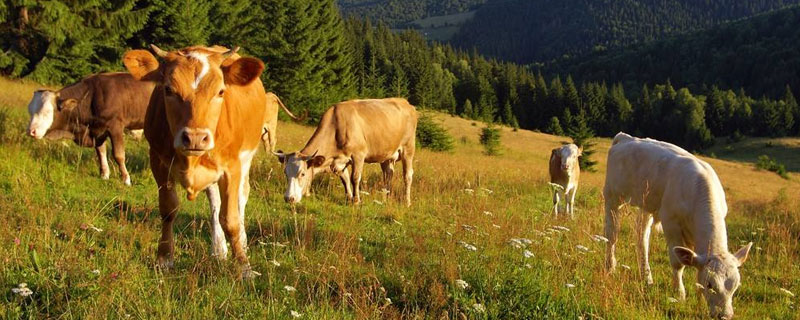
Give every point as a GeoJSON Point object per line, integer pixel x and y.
{"type": "Point", "coordinates": [710, 233]}
{"type": "Point", "coordinates": [322, 142]}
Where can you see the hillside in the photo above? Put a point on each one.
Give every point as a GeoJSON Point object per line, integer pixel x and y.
{"type": "Point", "coordinates": [397, 13]}
{"type": "Point", "coordinates": [86, 247]}
{"type": "Point", "coordinates": [756, 54]}
{"type": "Point", "coordinates": [527, 31]}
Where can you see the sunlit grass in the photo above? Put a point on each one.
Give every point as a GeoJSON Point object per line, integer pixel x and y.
{"type": "Point", "coordinates": [86, 247]}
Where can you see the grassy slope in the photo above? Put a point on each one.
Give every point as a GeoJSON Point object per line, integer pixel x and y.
{"type": "Point", "coordinates": [345, 261]}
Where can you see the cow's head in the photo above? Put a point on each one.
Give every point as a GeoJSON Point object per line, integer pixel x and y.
{"type": "Point", "coordinates": [299, 170]}
{"type": "Point", "coordinates": [194, 82]}
{"type": "Point", "coordinates": [569, 156]}
{"type": "Point", "coordinates": [48, 111]}
{"type": "Point", "coordinates": [719, 276]}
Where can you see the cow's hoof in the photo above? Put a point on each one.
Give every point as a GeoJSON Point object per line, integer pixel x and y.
{"type": "Point", "coordinates": [127, 181]}
{"type": "Point", "coordinates": [105, 176]}
{"type": "Point", "coordinates": [165, 264]}
{"type": "Point", "coordinates": [248, 273]}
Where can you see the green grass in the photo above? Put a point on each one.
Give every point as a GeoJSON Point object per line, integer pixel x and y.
{"type": "Point", "coordinates": [345, 261]}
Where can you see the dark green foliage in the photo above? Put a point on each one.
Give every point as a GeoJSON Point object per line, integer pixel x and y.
{"type": "Point", "coordinates": [527, 31]}
{"type": "Point", "coordinates": [61, 41]}
{"type": "Point", "coordinates": [397, 12]}
{"type": "Point", "coordinates": [769, 164]}
{"type": "Point", "coordinates": [582, 136]}
{"type": "Point", "coordinates": [757, 54]}
{"type": "Point", "coordinates": [175, 24]}
{"type": "Point", "coordinates": [432, 135]}
{"type": "Point", "coordinates": [490, 139]}
{"type": "Point", "coordinates": [554, 127]}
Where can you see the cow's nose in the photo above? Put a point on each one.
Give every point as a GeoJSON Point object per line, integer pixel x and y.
{"type": "Point", "coordinates": [196, 139]}
{"type": "Point", "coordinates": [289, 199]}
{"type": "Point", "coordinates": [32, 133]}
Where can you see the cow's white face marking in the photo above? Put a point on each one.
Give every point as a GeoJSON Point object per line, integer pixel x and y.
{"type": "Point", "coordinates": [298, 178]}
{"type": "Point", "coordinates": [569, 157]}
{"type": "Point", "coordinates": [203, 58]}
{"type": "Point", "coordinates": [719, 276]}
{"type": "Point", "coordinates": [42, 109]}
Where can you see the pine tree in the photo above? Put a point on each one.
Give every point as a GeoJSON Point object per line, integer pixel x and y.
{"type": "Point", "coordinates": [793, 109]}
{"type": "Point", "coordinates": [554, 127]}
{"type": "Point", "coordinates": [582, 136]}
{"type": "Point", "coordinates": [490, 139]}
{"type": "Point", "coordinates": [469, 111]}
{"type": "Point", "coordinates": [61, 41]}
{"type": "Point", "coordinates": [234, 23]}
{"type": "Point", "coordinates": [175, 24]}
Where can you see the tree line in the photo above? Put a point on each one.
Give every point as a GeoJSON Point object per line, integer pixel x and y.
{"type": "Point", "coordinates": [315, 58]}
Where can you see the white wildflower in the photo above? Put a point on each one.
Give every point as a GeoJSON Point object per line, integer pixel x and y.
{"type": "Point", "coordinates": [461, 284]}
{"type": "Point", "coordinates": [627, 267]}
{"type": "Point", "coordinates": [787, 292]}
{"type": "Point", "coordinates": [758, 249]}
{"type": "Point", "coordinates": [289, 289]}
{"type": "Point", "coordinates": [699, 286]}
{"type": "Point", "coordinates": [528, 265]}
{"type": "Point", "coordinates": [672, 300]}
{"type": "Point", "coordinates": [479, 308]}
{"type": "Point", "coordinates": [516, 243]}
{"type": "Point", "coordinates": [556, 186]}
{"type": "Point", "coordinates": [275, 263]}
{"type": "Point", "coordinates": [448, 233]}
{"type": "Point", "coordinates": [488, 213]}
{"type": "Point", "coordinates": [582, 248]}
{"type": "Point", "coordinates": [96, 271]}
{"type": "Point", "coordinates": [365, 193]}
{"type": "Point", "coordinates": [468, 190]}
{"type": "Point", "coordinates": [468, 227]}
{"type": "Point", "coordinates": [569, 285]}
{"type": "Point", "coordinates": [377, 202]}
{"type": "Point", "coordinates": [388, 301]}
{"type": "Point", "coordinates": [495, 226]}
{"type": "Point", "coordinates": [348, 294]}
{"type": "Point", "coordinates": [527, 254]}
{"type": "Point", "coordinates": [599, 238]}
{"type": "Point", "coordinates": [397, 222]}
{"type": "Point", "coordinates": [96, 229]}
{"type": "Point", "coordinates": [295, 314]}
{"type": "Point", "coordinates": [487, 190]}
{"type": "Point", "coordinates": [562, 228]}
{"type": "Point", "coordinates": [468, 246]}
{"type": "Point", "coordinates": [22, 290]}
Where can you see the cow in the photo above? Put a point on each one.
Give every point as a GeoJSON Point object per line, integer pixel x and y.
{"type": "Point", "coordinates": [684, 194]}
{"type": "Point", "coordinates": [270, 136]}
{"type": "Point", "coordinates": [350, 134]}
{"type": "Point", "coordinates": [204, 125]}
{"type": "Point", "coordinates": [565, 172]}
{"type": "Point", "coordinates": [98, 107]}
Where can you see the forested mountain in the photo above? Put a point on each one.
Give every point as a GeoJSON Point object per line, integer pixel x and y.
{"type": "Point", "coordinates": [527, 31]}
{"type": "Point", "coordinates": [759, 55]}
{"type": "Point", "coordinates": [398, 12]}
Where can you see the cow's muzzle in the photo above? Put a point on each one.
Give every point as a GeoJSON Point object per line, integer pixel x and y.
{"type": "Point", "coordinates": [194, 141]}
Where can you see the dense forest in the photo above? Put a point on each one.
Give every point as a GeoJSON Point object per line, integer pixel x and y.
{"type": "Point", "coordinates": [397, 12]}
{"type": "Point", "coordinates": [759, 55]}
{"type": "Point", "coordinates": [315, 57]}
{"type": "Point", "coordinates": [527, 31]}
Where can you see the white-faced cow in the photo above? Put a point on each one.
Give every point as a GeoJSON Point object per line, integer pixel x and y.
{"type": "Point", "coordinates": [565, 173]}
{"type": "Point", "coordinates": [685, 195]}
{"type": "Point", "coordinates": [98, 107]}
{"type": "Point", "coordinates": [350, 134]}
{"type": "Point", "coordinates": [204, 125]}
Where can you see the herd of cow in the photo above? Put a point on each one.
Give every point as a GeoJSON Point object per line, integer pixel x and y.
{"type": "Point", "coordinates": [204, 112]}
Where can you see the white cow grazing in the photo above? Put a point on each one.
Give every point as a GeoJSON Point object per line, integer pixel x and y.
{"type": "Point", "coordinates": [564, 175]}
{"type": "Point", "coordinates": [684, 194]}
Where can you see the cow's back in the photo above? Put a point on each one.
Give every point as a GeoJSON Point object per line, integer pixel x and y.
{"type": "Point", "coordinates": [645, 172]}
{"type": "Point", "coordinates": [118, 97]}
{"type": "Point", "coordinates": [380, 126]}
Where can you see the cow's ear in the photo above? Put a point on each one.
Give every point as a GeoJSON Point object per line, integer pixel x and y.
{"type": "Point", "coordinates": [142, 65]}
{"type": "Point", "coordinates": [67, 105]}
{"type": "Point", "coordinates": [687, 257]}
{"type": "Point", "coordinates": [316, 161]}
{"type": "Point", "coordinates": [243, 71]}
{"type": "Point", "coordinates": [741, 255]}
{"type": "Point", "coordinates": [281, 156]}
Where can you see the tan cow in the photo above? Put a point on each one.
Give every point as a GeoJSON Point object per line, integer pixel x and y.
{"type": "Point", "coordinates": [204, 125]}
{"type": "Point", "coordinates": [350, 134]}
{"type": "Point", "coordinates": [270, 128]}
{"type": "Point", "coordinates": [685, 195]}
{"type": "Point", "coordinates": [565, 173]}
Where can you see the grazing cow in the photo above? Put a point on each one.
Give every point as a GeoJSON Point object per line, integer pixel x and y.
{"type": "Point", "coordinates": [350, 134]}
{"type": "Point", "coordinates": [684, 194]}
{"type": "Point", "coordinates": [564, 175]}
{"type": "Point", "coordinates": [270, 128]}
{"type": "Point", "coordinates": [204, 125]}
{"type": "Point", "coordinates": [98, 107]}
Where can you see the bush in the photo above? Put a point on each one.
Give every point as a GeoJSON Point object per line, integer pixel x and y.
{"type": "Point", "coordinates": [769, 164]}
{"type": "Point", "coordinates": [431, 134]}
{"type": "Point", "coordinates": [490, 139]}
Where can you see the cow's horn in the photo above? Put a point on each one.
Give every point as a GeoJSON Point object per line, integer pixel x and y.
{"type": "Point", "coordinates": [158, 51]}
{"type": "Point", "coordinates": [231, 52]}
{"type": "Point", "coordinates": [311, 156]}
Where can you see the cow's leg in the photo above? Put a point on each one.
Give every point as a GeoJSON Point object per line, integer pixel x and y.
{"type": "Point", "coordinates": [102, 157]}
{"type": "Point", "coordinates": [244, 194]}
{"type": "Point", "coordinates": [670, 233]}
{"type": "Point", "coordinates": [388, 172]}
{"type": "Point", "coordinates": [168, 207]}
{"type": "Point", "coordinates": [612, 231]}
{"type": "Point", "coordinates": [644, 223]}
{"type": "Point", "coordinates": [230, 184]}
{"type": "Point", "coordinates": [408, 171]}
{"type": "Point", "coordinates": [571, 201]}
{"type": "Point", "coordinates": [358, 169]}
{"type": "Point", "coordinates": [219, 248]}
{"type": "Point", "coordinates": [118, 143]}
{"type": "Point", "coordinates": [344, 175]}
{"type": "Point", "coordinates": [556, 200]}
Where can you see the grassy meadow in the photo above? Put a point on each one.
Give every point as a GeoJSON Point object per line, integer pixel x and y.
{"type": "Point", "coordinates": [86, 247]}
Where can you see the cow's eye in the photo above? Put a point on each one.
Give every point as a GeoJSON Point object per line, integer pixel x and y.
{"type": "Point", "coordinates": [302, 175]}
{"type": "Point", "coordinates": [221, 92]}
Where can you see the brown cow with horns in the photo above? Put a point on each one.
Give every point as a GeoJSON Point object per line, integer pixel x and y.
{"type": "Point", "coordinates": [204, 125]}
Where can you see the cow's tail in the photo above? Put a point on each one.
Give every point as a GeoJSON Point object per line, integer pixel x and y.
{"type": "Point", "coordinates": [621, 137]}
{"type": "Point", "coordinates": [283, 106]}
{"type": "Point", "coordinates": [658, 227]}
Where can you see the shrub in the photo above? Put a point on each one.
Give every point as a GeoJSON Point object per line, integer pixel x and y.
{"type": "Point", "coordinates": [769, 164]}
{"type": "Point", "coordinates": [490, 139]}
{"type": "Point", "coordinates": [431, 134]}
